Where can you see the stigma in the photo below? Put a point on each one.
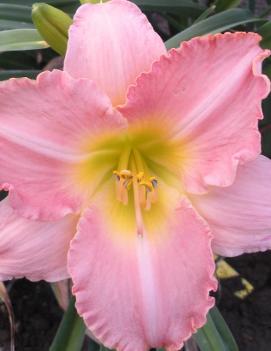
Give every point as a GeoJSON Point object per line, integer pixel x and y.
{"type": "Point", "coordinates": [144, 188]}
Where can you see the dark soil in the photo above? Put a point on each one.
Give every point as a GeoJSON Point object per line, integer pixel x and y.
{"type": "Point", "coordinates": [249, 319]}
{"type": "Point", "coordinates": [38, 315]}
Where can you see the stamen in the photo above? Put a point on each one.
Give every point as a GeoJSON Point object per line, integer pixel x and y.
{"type": "Point", "coordinates": [150, 192]}
{"type": "Point", "coordinates": [138, 214]}
{"type": "Point", "coordinates": [123, 183]}
{"type": "Point", "coordinates": [146, 189]}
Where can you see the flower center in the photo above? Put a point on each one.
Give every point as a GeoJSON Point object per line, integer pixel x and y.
{"type": "Point", "coordinates": [134, 173]}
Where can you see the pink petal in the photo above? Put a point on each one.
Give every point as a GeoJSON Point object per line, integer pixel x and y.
{"type": "Point", "coordinates": [138, 292]}
{"type": "Point", "coordinates": [42, 124]}
{"type": "Point", "coordinates": [111, 43]}
{"type": "Point", "coordinates": [208, 92]}
{"type": "Point", "coordinates": [240, 215]}
{"type": "Point", "coordinates": [32, 249]}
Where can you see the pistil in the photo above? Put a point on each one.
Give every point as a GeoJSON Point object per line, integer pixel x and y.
{"type": "Point", "coordinates": [138, 213]}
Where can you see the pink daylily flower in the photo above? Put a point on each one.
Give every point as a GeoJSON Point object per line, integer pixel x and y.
{"type": "Point", "coordinates": [128, 169]}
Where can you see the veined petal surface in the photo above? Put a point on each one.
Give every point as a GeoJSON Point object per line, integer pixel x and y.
{"type": "Point", "coordinates": [240, 215]}
{"type": "Point", "coordinates": [33, 249]}
{"type": "Point", "coordinates": [209, 93]}
{"type": "Point", "coordinates": [111, 43]}
{"type": "Point", "coordinates": [42, 124]}
{"type": "Point", "coordinates": [137, 292]}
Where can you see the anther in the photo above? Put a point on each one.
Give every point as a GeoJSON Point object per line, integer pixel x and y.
{"type": "Point", "coordinates": [124, 180]}
{"type": "Point", "coordinates": [149, 195]}
{"type": "Point", "coordinates": [154, 182]}
{"type": "Point", "coordinates": [125, 173]}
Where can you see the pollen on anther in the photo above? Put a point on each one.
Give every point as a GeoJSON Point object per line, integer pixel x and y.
{"type": "Point", "coordinates": [147, 189]}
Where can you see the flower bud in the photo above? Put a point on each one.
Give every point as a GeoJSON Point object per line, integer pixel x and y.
{"type": "Point", "coordinates": [53, 25]}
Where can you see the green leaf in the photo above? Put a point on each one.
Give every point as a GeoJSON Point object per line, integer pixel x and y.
{"type": "Point", "coordinates": [53, 25]}
{"type": "Point", "coordinates": [18, 73]}
{"type": "Point", "coordinates": [92, 345]}
{"type": "Point", "coordinates": [215, 334]}
{"type": "Point", "coordinates": [187, 7]}
{"type": "Point", "coordinates": [17, 2]}
{"type": "Point", "coordinates": [223, 329]}
{"type": "Point", "coordinates": [205, 14]}
{"type": "Point", "coordinates": [265, 32]}
{"type": "Point", "coordinates": [71, 332]}
{"type": "Point", "coordinates": [214, 24]}
{"type": "Point", "coordinates": [208, 338]}
{"type": "Point", "coordinates": [14, 16]}
{"type": "Point", "coordinates": [251, 5]}
{"type": "Point", "coordinates": [222, 5]}
{"type": "Point", "coordinates": [19, 13]}
{"type": "Point", "coordinates": [51, 2]}
{"type": "Point", "coordinates": [21, 39]}
{"type": "Point", "coordinates": [69, 6]}
{"type": "Point", "coordinates": [184, 7]}
{"type": "Point", "coordinates": [191, 345]}
{"type": "Point", "coordinates": [65, 5]}
{"type": "Point", "coordinates": [8, 24]}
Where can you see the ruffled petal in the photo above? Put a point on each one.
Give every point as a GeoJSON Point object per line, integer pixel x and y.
{"type": "Point", "coordinates": [42, 125]}
{"type": "Point", "coordinates": [240, 215]}
{"type": "Point", "coordinates": [115, 43]}
{"type": "Point", "coordinates": [208, 92]}
{"type": "Point", "coordinates": [32, 249]}
{"type": "Point", "coordinates": [137, 292]}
